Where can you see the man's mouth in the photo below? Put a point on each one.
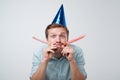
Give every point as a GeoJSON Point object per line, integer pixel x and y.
{"type": "Point", "coordinates": [60, 45]}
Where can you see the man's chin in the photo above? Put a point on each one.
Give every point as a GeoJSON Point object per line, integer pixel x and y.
{"type": "Point", "coordinates": [58, 53]}
{"type": "Point", "coordinates": [59, 49]}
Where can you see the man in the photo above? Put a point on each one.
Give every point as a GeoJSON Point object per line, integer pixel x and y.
{"type": "Point", "coordinates": [58, 60]}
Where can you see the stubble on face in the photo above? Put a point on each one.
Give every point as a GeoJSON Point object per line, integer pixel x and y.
{"type": "Point", "coordinates": [58, 53]}
{"type": "Point", "coordinates": [53, 33]}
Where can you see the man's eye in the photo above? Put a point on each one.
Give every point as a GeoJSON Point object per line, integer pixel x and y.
{"type": "Point", "coordinates": [53, 36]}
{"type": "Point", "coordinates": [62, 36]}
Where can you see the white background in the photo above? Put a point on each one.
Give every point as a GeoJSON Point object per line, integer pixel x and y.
{"type": "Point", "coordinates": [99, 20]}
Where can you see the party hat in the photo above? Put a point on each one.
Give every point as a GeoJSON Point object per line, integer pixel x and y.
{"type": "Point", "coordinates": [60, 17]}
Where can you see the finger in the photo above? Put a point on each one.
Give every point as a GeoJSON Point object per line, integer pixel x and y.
{"type": "Point", "coordinates": [52, 44]}
{"type": "Point", "coordinates": [65, 48]}
{"type": "Point", "coordinates": [67, 54]}
{"type": "Point", "coordinates": [51, 55]}
{"type": "Point", "coordinates": [52, 48]}
{"type": "Point", "coordinates": [50, 51]}
{"type": "Point", "coordinates": [64, 45]}
{"type": "Point", "coordinates": [64, 52]}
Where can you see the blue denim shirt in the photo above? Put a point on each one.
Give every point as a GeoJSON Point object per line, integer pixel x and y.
{"type": "Point", "coordinates": [59, 69]}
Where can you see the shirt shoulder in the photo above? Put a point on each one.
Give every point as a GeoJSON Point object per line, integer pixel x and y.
{"type": "Point", "coordinates": [77, 49]}
{"type": "Point", "coordinates": [78, 53]}
{"type": "Point", "coordinates": [38, 52]}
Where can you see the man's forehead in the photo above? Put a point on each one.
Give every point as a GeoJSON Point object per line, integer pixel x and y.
{"type": "Point", "coordinates": [57, 33]}
{"type": "Point", "coordinates": [57, 30]}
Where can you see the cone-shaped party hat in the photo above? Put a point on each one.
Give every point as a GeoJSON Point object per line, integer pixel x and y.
{"type": "Point", "coordinates": [60, 17]}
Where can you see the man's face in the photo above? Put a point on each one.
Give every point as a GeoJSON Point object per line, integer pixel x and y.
{"type": "Point", "coordinates": [57, 36]}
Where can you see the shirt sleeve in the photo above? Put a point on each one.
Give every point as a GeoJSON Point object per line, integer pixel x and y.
{"type": "Point", "coordinates": [80, 61]}
{"type": "Point", "coordinates": [37, 56]}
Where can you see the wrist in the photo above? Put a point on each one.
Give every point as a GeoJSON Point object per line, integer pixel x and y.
{"type": "Point", "coordinates": [44, 60]}
{"type": "Point", "coordinates": [72, 61]}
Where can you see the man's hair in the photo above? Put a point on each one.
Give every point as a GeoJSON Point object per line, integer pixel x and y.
{"type": "Point", "coordinates": [50, 26]}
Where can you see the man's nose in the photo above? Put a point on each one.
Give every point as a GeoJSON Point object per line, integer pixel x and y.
{"type": "Point", "coordinates": [58, 39]}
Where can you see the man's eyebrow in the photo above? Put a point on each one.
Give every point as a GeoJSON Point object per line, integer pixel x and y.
{"type": "Point", "coordinates": [63, 33]}
{"type": "Point", "coordinates": [52, 33]}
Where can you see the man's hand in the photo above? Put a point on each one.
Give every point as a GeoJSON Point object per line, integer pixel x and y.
{"type": "Point", "coordinates": [68, 52]}
{"type": "Point", "coordinates": [49, 52]}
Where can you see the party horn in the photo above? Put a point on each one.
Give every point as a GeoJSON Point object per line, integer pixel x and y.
{"type": "Point", "coordinates": [70, 41]}
{"type": "Point", "coordinates": [39, 40]}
